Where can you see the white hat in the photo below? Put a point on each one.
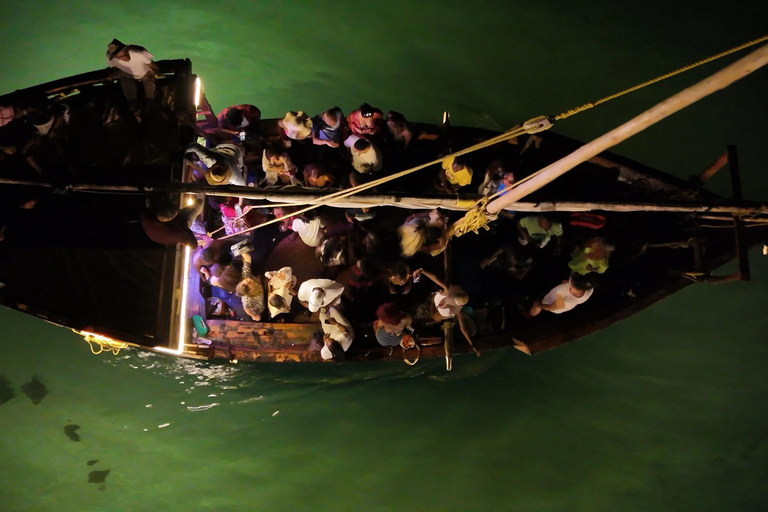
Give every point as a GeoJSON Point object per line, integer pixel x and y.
{"type": "Point", "coordinates": [316, 299]}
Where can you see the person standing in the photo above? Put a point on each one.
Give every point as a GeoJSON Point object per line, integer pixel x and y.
{"type": "Point", "coordinates": [132, 63]}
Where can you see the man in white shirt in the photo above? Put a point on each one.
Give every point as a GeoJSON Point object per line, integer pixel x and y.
{"type": "Point", "coordinates": [132, 63]}
{"type": "Point", "coordinates": [337, 330]}
{"type": "Point", "coordinates": [366, 158]}
{"type": "Point", "coordinates": [311, 231]}
{"type": "Point", "coordinates": [564, 297]}
{"type": "Point", "coordinates": [315, 294]}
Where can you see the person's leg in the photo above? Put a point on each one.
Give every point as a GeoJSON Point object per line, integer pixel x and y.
{"type": "Point", "coordinates": [148, 81]}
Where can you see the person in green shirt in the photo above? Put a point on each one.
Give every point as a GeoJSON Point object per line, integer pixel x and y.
{"type": "Point", "coordinates": [538, 230]}
{"type": "Point", "coordinates": [593, 256]}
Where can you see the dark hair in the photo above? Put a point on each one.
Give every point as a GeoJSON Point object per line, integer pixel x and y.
{"type": "Point", "coordinates": [277, 301]}
{"type": "Point", "coordinates": [337, 351]}
{"type": "Point", "coordinates": [274, 150]}
{"type": "Point", "coordinates": [233, 117]}
{"type": "Point", "coordinates": [167, 213]}
{"type": "Point", "coordinates": [333, 113]}
{"type": "Point", "coordinates": [366, 266]}
{"type": "Point", "coordinates": [207, 255]}
{"type": "Point", "coordinates": [398, 120]}
{"type": "Point", "coordinates": [362, 144]}
{"type": "Point", "coordinates": [389, 313]}
{"type": "Point", "coordinates": [399, 269]}
{"type": "Point", "coordinates": [580, 282]}
{"type": "Point", "coordinates": [366, 110]}
{"type": "Point", "coordinates": [432, 234]}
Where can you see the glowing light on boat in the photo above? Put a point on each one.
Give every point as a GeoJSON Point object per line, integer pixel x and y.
{"type": "Point", "coordinates": [102, 342]}
{"type": "Point", "coordinates": [198, 91]}
{"type": "Point", "coordinates": [183, 309]}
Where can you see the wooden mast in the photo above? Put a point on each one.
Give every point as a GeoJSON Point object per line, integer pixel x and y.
{"type": "Point", "coordinates": [719, 80]}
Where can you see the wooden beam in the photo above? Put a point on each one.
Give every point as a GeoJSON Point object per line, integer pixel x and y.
{"type": "Point", "coordinates": [719, 80]}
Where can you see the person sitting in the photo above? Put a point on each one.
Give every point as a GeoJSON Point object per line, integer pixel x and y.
{"type": "Point", "coordinates": [278, 167]}
{"type": "Point", "coordinates": [399, 278]}
{"type": "Point", "coordinates": [294, 126]}
{"type": "Point", "coordinates": [366, 120]}
{"type": "Point", "coordinates": [425, 232]}
{"type": "Point", "coordinates": [250, 291]}
{"type": "Point", "coordinates": [564, 297]}
{"type": "Point", "coordinates": [315, 294]}
{"type": "Point", "coordinates": [316, 175]}
{"type": "Point", "coordinates": [447, 303]}
{"type": "Point", "coordinates": [237, 218]}
{"type": "Point", "coordinates": [327, 127]}
{"type": "Point", "coordinates": [497, 178]}
{"type": "Point", "coordinates": [225, 163]}
{"type": "Point", "coordinates": [226, 277]}
{"type": "Point", "coordinates": [280, 290]}
{"type": "Point", "coordinates": [399, 129]}
{"type": "Point", "coordinates": [241, 121]}
{"type": "Point", "coordinates": [454, 174]}
{"type": "Point", "coordinates": [206, 257]}
{"type": "Point", "coordinates": [392, 325]}
{"type": "Point", "coordinates": [592, 256]}
{"type": "Point", "coordinates": [282, 213]}
{"type": "Point", "coordinates": [132, 64]}
{"type": "Point", "coordinates": [366, 158]}
{"type": "Point", "coordinates": [362, 276]}
{"type": "Point", "coordinates": [332, 251]}
{"type": "Point", "coordinates": [538, 230]}
{"type": "Point", "coordinates": [165, 224]}
{"type": "Point", "coordinates": [311, 231]}
{"type": "Point", "coordinates": [338, 335]}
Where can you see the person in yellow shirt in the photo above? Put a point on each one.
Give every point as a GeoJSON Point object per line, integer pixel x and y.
{"type": "Point", "coordinates": [454, 174]}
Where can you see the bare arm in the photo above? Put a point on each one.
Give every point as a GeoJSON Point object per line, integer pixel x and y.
{"type": "Point", "coordinates": [435, 280]}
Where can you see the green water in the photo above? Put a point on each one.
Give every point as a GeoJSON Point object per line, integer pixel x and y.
{"type": "Point", "coordinates": [665, 411]}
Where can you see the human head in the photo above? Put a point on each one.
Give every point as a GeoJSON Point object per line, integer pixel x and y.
{"type": "Point", "coordinates": [545, 221]}
{"type": "Point", "coordinates": [399, 273]}
{"type": "Point", "coordinates": [578, 285]}
{"type": "Point", "coordinates": [274, 150]}
{"type": "Point", "coordinates": [233, 117]}
{"type": "Point", "coordinates": [114, 48]}
{"type": "Point", "coordinates": [362, 145]}
{"type": "Point", "coordinates": [496, 169]}
{"type": "Point", "coordinates": [218, 175]}
{"type": "Point", "coordinates": [277, 301]}
{"type": "Point", "coordinates": [366, 110]}
{"type": "Point", "coordinates": [396, 122]}
{"type": "Point", "coordinates": [316, 299]}
{"type": "Point", "coordinates": [460, 297]}
{"type": "Point", "coordinates": [331, 116]}
{"type": "Point", "coordinates": [389, 313]}
{"type": "Point", "coordinates": [459, 163]}
{"type": "Point", "coordinates": [167, 213]}
{"type": "Point", "coordinates": [207, 257]}
{"type": "Point", "coordinates": [245, 287]}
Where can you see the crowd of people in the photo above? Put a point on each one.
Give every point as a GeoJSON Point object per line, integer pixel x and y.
{"type": "Point", "coordinates": [359, 250]}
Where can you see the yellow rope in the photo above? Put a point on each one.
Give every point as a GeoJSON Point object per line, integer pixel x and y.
{"type": "Point", "coordinates": [587, 106]}
{"type": "Point", "coordinates": [474, 221]}
{"type": "Point", "coordinates": [102, 342]}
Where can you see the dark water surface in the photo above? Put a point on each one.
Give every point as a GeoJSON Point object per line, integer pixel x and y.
{"type": "Point", "coordinates": [666, 411]}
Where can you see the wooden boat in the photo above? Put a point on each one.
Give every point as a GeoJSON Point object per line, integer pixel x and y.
{"type": "Point", "coordinates": [80, 259]}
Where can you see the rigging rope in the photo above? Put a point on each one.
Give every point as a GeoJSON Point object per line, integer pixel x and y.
{"type": "Point", "coordinates": [474, 220]}
{"type": "Point", "coordinates": [587, 106]}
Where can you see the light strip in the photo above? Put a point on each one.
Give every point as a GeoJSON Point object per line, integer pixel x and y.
{"type": "Point", "coordinates": [183, 309]}
{"type": "Point", "coordinates": [198, 90]}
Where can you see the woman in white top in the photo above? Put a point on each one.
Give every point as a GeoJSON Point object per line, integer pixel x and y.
{"type": "Point", "coordinates": [448, 303]}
